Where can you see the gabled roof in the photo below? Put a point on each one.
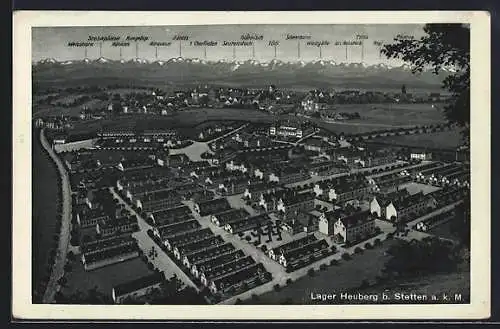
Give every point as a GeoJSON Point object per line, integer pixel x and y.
{"type": "Point", "coordinates": [242, 275]}
{"type": "Point", "coordinates": [305, 250]}
{"type": "Point", "coordinates": [385, 199]}
{"type": "Point", "coordinates": [297, 198]}
{"type": "Point", "coordinates": [232, 213]}
{"type": "Point", "coordinates": [159, 195]}
{"type": "Point", "coordinates": [118, 222]}
{"type": "Point", "coordinates": [181, 211]}
{"type": "Point", "coordinates": [219, 260]}
{"type": "Point", "coordinates": [215, 205]}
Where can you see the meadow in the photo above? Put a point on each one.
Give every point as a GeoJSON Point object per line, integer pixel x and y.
{"type": "Point", "coordinates": [182, 119]}
{"type": "Point", "coordinates": [104, 278]}
{"type": "Point", "coordinates": [445, 139]}
{"type": "Point", "coordinates": [346, 275]}
{"type": "Point", "coordinates": [46, 197]}
{"type": "Point", "coordinates": [399, 115]}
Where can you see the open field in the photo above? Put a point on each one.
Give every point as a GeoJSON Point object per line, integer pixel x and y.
{"type": "Point", "coordinates": [46, 196]}
{"type": "Point", "coordinates": [74, 111]}
{"type": "Point", "coordinates": [182, 120]}
{"type": "Point", "coordinates": [437, 284]}
{"type": "Point", "coordinates": [105, 278]}
{"type": "Point", "coordinates": [384, 116]}
{"type": "Point", "coordinates": [348, 274]}
{"type": "Point", "coordinates": [445, 139]}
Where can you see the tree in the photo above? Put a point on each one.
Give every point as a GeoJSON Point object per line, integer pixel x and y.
{"type": "Point", "coordinates": [258, 229]}
{"type": "Point", "coordinates": [68, 268]}
{"type": "Point", "coordinates": [270, 231]}
{"type": "Point", "coordinates": [443, 45]}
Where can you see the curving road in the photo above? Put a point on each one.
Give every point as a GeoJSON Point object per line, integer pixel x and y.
{"type": "Point", "coordinates": [64, 236]}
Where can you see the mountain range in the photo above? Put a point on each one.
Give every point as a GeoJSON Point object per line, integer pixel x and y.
{"type": "Point", "coordinates": [317, 73]}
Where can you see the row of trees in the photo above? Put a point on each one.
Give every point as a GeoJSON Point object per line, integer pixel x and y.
{"type": "Point", "coordinates": [429, 256]}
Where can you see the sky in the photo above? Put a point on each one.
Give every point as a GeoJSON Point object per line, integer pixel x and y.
{"type": "Point", "coordinates": [52, 42]}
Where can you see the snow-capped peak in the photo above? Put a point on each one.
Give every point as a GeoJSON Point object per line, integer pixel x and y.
{"type": "Point", "coordinates": [140, 60]}
{"type": "Point", "coordinates": [48, 61]}
{"type": "Point", "coordinates": [235, 67]}
{"type": "Point", "coordinates": [102, 60]}
{"type": "Point", "coordinates": [358, 65]}
{"type": "Point", "coordinates": [381, 66]}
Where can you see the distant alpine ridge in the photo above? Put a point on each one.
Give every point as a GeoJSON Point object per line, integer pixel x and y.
{"type": "Point", "coordinates": [316, 72]}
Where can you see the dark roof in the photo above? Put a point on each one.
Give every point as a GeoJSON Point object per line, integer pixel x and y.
{"type": "Point", "coordinates": [249, 222]}
{"type": "Point", "coordinates": [288, 170]}
{"type": "Point", "coordinates": [206, 243]}
{"type": "Point", "coordinates": [174, 229]}
{"type": "Point", "coordinates": [118, 222]}
{"type": "Point", "coordinates": [88, 214]}
{"type": "Point", "coordinates": [132, 163]}
{"type": "Point", "coordinates": [229, 267]}
{"type": "Point", "coordinates": [242, 275]}
{"type": "Point", "coordinates": [190, 236]}
{"type": "Point", "coordinates": [156, 174]}
{"type": "Point", "coordinates": [137, 284]}
{"type": "Point", "coordinates": [298, 198]}
{"type": "Point", "coordinates": [181, 211]}
{"type": "Point", "coordinates": [384, 200]}
{"type": "Point", "coordinates": [356, 219]}
{"type": "Point", "coordinates": [295, 244]}
{"type": "Point", "coordinates": [316, 142]}
{"type": "Point", "coordinates": [211, 252]}
{"type": "Point", "coordinates": [230, 214]}
{"type": "Point", "coordinates": [106, 243]}
{"type": "Point", "coordinates": [111, 252]}
{"type": "Point", "coordinates": [213, 206]}
{"type": "Point", "coordinates": [261, 186]}
{"type": "Point", "coordinates": [150, 187]}
{"type": "Point", "coordinates": [341, 181]}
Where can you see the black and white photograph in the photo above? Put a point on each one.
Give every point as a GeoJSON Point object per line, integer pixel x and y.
{"type": "Point", "coordinates": [254, 164]}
